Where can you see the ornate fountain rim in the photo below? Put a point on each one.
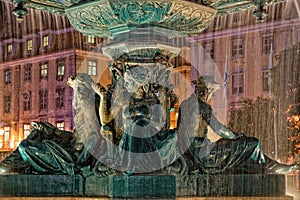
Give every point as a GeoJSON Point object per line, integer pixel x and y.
{"type": "Point", "coordinates": [184, 16]}
{"type": "Point", "coordinates": [107, 18]}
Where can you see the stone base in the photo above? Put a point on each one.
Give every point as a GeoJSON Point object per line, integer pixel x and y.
{"type": "Point", "coordinates": [132, 186]}
{"type": "Point", "coordinates": [41, 185]}
{"type": "Point", "coordinates": [199, 187]}
{"type": "Point", "coordinates": [234, 185]}
{"type": "Point", "coordinates": [178, 198]}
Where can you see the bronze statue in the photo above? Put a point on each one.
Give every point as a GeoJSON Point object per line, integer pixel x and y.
{"type": "Point", "coordinates": [128, 131]}
{"type": "Point", "coordinates": [143, 120]}
{"type": "Point", "coordinates": [234, 152]}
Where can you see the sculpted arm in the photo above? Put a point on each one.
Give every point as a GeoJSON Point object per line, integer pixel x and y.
{"type": "Point", "coordinates": [209, 117]}
{"type": "Point", "coordinates": [106, 114]}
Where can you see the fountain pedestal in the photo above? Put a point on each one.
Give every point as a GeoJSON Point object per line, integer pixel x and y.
{"type": "Point", "coordinates": [145, 186]}
{"type": "Point", "coordinates": [169, 18]}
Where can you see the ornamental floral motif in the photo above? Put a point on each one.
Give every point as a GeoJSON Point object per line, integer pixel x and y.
{"type": "Point", "coordinates": [141, 12]}
{"type": "Point", "coordinates": [108, 17]}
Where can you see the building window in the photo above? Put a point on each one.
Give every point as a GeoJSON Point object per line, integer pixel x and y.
{"type": "Point", "coordinates": [44, 71]}
{"type": "Point", "coordinates": [92, 68]}
{"type": "Point", "coordinates": [45, 41]}
{"type": "Point", "coordinates": [43, 99]}
{"type": "Point", "coordinates": [60, 125]}
{"type": "Point", "coordinates": [6, 136]}
{"type": "Point", "coordinates": [1, 138]}
{"type": "Point", "coordinates": [238, 83]}
{"type": "Point", "coordinates": [265, 80]}
{"type": "Point", "coordinates": [7, 104]}
{"type": "Point", "coordinates": [267, 42]}
{"type": "Point", "coordinates": [27, 101]}
{"type": "Point", "coordinates": [237, 47]}
{"type": "Point", "coordinates": [9, 48]}
{"type": "Point", "coordinates": [7, 78]}
{"type": "Point", "coordinates": [60, 70]}
{"type": "Point", "coordinates": [27, 72]}
{"type": "Point", "coordinates": [29, 45]}
{"type": "Point", "coordinates": [26, 130]}
{"type": "Point", "coordinates": [60, 94]}
{"type": "Point", "coordinates": [91, 39]}
{"type": "Point", "coordinates": [208, 50]}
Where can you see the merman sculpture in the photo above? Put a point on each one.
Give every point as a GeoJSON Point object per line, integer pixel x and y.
{"type": "Point", "coordinates": [131, 134]}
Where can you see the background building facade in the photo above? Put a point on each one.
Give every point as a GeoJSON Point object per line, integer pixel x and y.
{"type": "Point", "coordinates": [38, 55]}
{"type": "Point", "coordinates": [36, 59]}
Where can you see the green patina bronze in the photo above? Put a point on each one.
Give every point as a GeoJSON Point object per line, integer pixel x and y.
{"type": "Point", "coordinates": [106, 18]}
{"type": "Point", "coordinates": [128, 131]}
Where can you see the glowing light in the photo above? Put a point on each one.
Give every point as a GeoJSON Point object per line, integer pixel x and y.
{"type": "Point", "coordinates": [2, 170]}
{"type": "Point", "coordinates": [12, 144]}
{"type": "Point", "coordinates": [1, 132]}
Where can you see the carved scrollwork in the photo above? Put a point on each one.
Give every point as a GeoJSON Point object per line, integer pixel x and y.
{"type": "Point", "coordinates": [189, 19]}
{"type": "Point", "coordinates": [132, 13]}
{"type": "Point", "coordinates": [108, 17]}
{"type": "Point", "coordinates": [140, 12]}
{"type": "Point", "coordinates": [93, 19]}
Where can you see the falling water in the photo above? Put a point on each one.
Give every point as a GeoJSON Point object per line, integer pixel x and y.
{"type": "Point", "coordinates": [254, 118]}
{"type": "Point", "coordinates": [297, 6]}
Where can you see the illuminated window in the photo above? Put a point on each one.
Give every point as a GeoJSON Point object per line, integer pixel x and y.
{"type": "Point", "coordinates": [7, 103]}
{"type": "Point", "coordinates": [92, 68]}
{"type": "Point", "coordinates": [238, 83]}
{"type": "Point", "coordinates": [45, 41]}
{"type": "Point", "coordinates": [26, 130]}
{"type": "Point", "coordinates": [60, 70]}
{"type": "Point", "coordinates": [43, 99]}
{"type": "Point", "coordinates": [237, 47]}
{"type": "Point", "coordinates": [9, 48]}
{"type": "Point", "coordinates": [60, 125]}
{"type": "Point", "coordinates": [7, 76]}
{"type": "Point", "coordinates": [60, 94]}
{"type": "Point", "coordinates": [1, 138]}
{"type": "Point", "coordinates": [27, 101]}
{"type": "Point", "coordinates": [29, 45]}
{"type": "Point", "coordinates": [208, 50]}
{"type": "Point", "coordinates": [44, 71]}
{"type": "Point", "coordinates": [6, 136]}
{"type": "Point", "coordinates": [27, 72]}
{"type": "Point", "coordinates": [91, 39]}
{"type": "Point", "coordinates": [267, 42]}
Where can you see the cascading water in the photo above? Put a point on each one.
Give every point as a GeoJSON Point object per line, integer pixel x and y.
{"type": "Point", "coordinates": [236, 41]}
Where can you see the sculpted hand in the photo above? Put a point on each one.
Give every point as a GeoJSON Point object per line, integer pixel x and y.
{"type": "Point", "coordinates": [239, 135]}
{"type": "Point", "coordinates": [71, 81]}
{"type": "Point", "coordinates": [226, 133]}
{"type": "Point", "coordinates": [99, 89]}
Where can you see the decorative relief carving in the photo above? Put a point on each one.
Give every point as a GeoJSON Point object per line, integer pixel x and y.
{"type": "Point", "coordinates": [145, 12]}
{"type": "Point", "coordinates": [140, 12]}
{"type": "Point", "coordinates": [105, 18]}
{"type": "Point", "coordinates": [94, 18]}
{"type": "Point", "coordinates": [189, 19]}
